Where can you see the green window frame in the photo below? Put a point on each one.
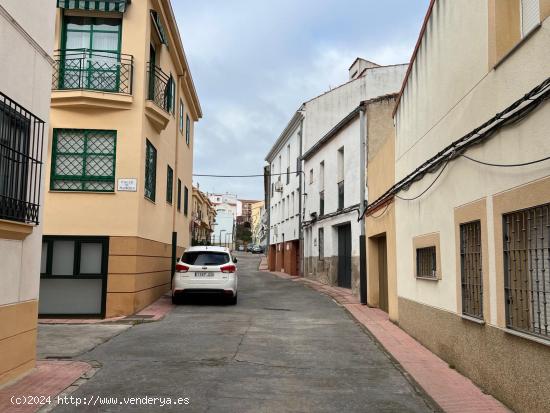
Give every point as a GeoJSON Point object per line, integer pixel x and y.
{"type": "Point", "coordinates": [150, 171]}
{"type": "Point", "coordinates": [169, 184]}
{"type": "Point", "coordinates": [90, 67]}
{"type": "Point", "coordinates": [181, 115]}
{"type": "Point", "coordinates": [83, 160]}
{"type": "Point", "coordinates": [170, 95]}
{"type": "Point", "coordinates": [185, 201]}
{"type": "Point", "coordinates": [188, 130]}
{"type": "Point", "coordinates": [179, 194]}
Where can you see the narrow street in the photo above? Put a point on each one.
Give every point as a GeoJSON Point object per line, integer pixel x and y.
{"type": "Point", "coordinates": [284, 347]}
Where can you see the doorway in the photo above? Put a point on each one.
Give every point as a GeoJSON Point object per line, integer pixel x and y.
{"type": "Point", "coordinates": [383, 274]}
{"type": "Point", "coordinates": [344, 256]}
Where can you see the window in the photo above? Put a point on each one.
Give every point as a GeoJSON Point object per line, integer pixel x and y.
{"type": "Point", "coordinates": [293, 211]}
{"type": "Point", "coordinates": [205, 258]}
{"type": "Point", "coordinates": [283, 211]}
{"type": "Point", "coordinates": [181, 115]}
{"type": "Point", "coordinates": [169, 184]}
{"type": "Point", "coordinates": [179, 194]}
{"type": "Point", "coordinates": [426, 263]}
{"type": "Point", "coordinates": [287, 206]}
{"type": "Point", "coordinates": [471, 269]}
{"type": "Point", "coordinates": [185, 201]}
{"type": "Point", "coordinates": [21, 135]}
{"type": "Point", "coordinates": [150, 171]}
{"type": "Point", "coordinates": [321, 203]}
{"type": "Point", "coordinates": [527, 270]}
{"type": "Point", "coordinates": [272, 189]}
{"type": "Point", "coordinates": [187, 130]}
{"type": "Point", "coordinates": [530, 15]}
{"type": "Point", "coordinates": [170, 95]}
{"type": "Point", "coordinates": [321, 243]}
{"type": "Point", "coordinates": [288, 164]}
{"type": "Point", "coordinates": [340, 164]}
{"type": "Point", "coordinates": [311, 176]}
{"type": "Point", "coordinates": [83, 160]}
{"type": "Point", "coordinates": [91, 58]}
{"type": "Point", "coordinates": [341, 191]}
{"type": "Point", "coordinates": [322, 176]}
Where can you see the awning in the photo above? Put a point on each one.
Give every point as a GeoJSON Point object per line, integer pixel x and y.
{"type": "Point", "coordinates": [99, 5]}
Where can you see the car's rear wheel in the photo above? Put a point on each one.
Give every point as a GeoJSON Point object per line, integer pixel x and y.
{"type": "Point", "coordinates": [232, 300]}
{"type": "Point", "coordinates": [175, 299]}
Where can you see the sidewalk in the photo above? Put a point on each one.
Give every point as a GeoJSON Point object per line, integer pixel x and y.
{"type": "Point", "coordinates": [451, 391]}
{"type": "Point", "coordinates": [47, 380]}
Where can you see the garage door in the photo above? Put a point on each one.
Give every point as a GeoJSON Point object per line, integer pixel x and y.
{"type": "Point", "coordinates": [73, 277]}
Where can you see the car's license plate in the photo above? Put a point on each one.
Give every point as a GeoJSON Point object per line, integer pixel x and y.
{"type": "Point", "coordinates": [204, 274]}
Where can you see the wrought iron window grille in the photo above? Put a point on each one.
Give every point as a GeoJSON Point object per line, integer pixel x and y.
{"type": "Point", "coordinates": [527, 270]}
{"type": "Point", "coordinates": [161, 88]}
{"type": "Point", "coordinates": [471, 269]}
{"type": "Point", "coordinates": [426, 262]}
{"type": "Point", "coordinates": [21, 140]}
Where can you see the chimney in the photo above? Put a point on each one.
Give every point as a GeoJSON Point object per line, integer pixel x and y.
{"type": "Point", "coordinates": [358, 67]}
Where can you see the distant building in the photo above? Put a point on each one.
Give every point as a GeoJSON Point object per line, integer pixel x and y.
{"type": "Point", "coordinates": [203, 218]}
{"type": "Point", "coordinates": [258, 223]}
{"type": "Point", "coordinates": [227, 208]}
{"type": "Point", "coordinates": [245, 216]}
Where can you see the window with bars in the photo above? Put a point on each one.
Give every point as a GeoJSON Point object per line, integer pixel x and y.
{"type": "Point", "coordinates": [187, 130]}
{"type": "Point", "coordinates": [169, 184]}
{"type": "Point", "coordinates": [83, 160]}
{"type": "Point", "coordinates": [527, 270]}
{"type": "Point", "coordinates": [21, 135]}
{"type": "Point", "coordinates": [321, 203]}
{"type": "Point", "coordinates": [341, 189]}
{"type": "Point", "coordinates": [179, 194]}
{"type": "Point", "coordinates": [426, 262]}
{"type": "Point", "coordinates": [471, 270]}
{"type": "Point", "coordinates": [150, 171]}
{"type": "Point", "coordinates": [185, 200]}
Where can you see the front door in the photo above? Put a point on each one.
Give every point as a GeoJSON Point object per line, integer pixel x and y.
{"type": "Point", "coordinates": [382, 274]}
{"type": "Point", "coordinates": [344, 256]}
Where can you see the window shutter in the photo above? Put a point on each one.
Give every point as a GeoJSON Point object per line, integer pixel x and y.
{"type": "Point", "coordinates": [530, 15]}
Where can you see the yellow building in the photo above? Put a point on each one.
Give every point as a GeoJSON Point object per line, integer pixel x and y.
{"type": "Point", "coordinates": [119, 172]}
{"type": "Point", "coordinates": [26, 35]}
{"type": "Point", "coordinates": [256, 224]}
{"type": "Point", "coordinates": [204, 216]}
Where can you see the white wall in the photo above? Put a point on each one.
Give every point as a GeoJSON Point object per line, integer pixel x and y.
{"type": "Point", "coordinates": [285, 222]}
{"type": "Point", "coordinates": [450, 92]}
{"type": "Point", "coordinates": [26, 79]}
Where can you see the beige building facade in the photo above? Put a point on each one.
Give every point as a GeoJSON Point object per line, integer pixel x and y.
{"type": "Point", "coordinates": [204, 217]}
{"type": "Point", "coordinates": [472, 209]}
{"type": "Point", "coordinates": [26, 35]}
{"type": "Point", "coordinates": [120, 158]}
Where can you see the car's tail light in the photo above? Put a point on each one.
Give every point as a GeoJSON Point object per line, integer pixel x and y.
{"type": "Point", "coordinates": [181, 268]}
{"type": "Point", "coordinates": [228, 268]}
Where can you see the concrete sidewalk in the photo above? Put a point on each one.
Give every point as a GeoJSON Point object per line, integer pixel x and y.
{"type": "Point", "coordinates": [451, 391]}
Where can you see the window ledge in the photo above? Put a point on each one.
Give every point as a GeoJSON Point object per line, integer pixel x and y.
{"type": "Point", "coordinates": [428, 278]}
{"type": "Point", "coordinates": [472, 319]}
{"type": "Point", "coordinates": [87, 99]}
{"type": "Point", "coordinates": [158, 117]}
{"type": "Point", "coordinates": [526, 336]}
{"type": "Point", "coordinates": [14, 230]}
{"type": "Point", "coordinates": [58, 191]}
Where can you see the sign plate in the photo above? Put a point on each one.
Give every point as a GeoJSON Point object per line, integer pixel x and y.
{"type": "Point", "coordinates": [127, 185]}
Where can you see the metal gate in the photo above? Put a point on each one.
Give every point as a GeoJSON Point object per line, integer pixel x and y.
{"type": "Point", "coordinates": [344, 256]}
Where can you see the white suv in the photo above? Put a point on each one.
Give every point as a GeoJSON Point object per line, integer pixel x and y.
{"type": "Point", "coordinates": [206, 270]}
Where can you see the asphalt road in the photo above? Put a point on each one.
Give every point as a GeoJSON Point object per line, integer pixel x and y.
{"type": "Point", "coordinates": [283, 348]}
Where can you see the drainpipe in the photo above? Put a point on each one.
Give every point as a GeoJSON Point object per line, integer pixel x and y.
{"type": "Point", "coordinates": [362, 183]}
{"type": "Point", "coordinates": [300, 191]}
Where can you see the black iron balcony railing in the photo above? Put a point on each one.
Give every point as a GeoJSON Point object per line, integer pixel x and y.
{"type": "Point", "coordinates": [21, 139]}
{"type": "Point", "coordinates": [161, 88]}
{"type": "Point", "coordinates": [86, 69]}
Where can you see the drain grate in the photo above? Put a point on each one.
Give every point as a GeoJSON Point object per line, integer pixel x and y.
{"type": "Point", "coordinates": [277, 309]}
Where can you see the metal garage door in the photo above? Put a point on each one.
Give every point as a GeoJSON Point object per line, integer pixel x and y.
{"type": "Point", "coordinates": [73, 279]}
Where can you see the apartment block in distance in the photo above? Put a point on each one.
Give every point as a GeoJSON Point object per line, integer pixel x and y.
{"type": "Point", "coordinates": [472, 205]}
{"type": "Point", "coordinates": [26, 35]}
{"type": "Point", "coordinates": [120, 158]}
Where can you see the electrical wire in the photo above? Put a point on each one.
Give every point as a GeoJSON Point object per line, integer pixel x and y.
{"type": "Point", "coordinates": [247, 176]}
{"type": "Point", "coordinates": [429, 186]}
{"type": "Point", "coordinates": [511, 165]}
{"type": "Point", "coordinates": [381, 214]}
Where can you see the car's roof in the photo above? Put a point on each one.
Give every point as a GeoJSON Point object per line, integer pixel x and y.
{"type": "Point", "coordinates": [207, 248]}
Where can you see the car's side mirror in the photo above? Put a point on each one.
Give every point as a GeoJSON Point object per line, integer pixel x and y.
{"type": "Point", "coordinates": [235, 260]}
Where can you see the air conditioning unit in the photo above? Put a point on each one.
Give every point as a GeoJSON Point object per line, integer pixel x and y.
{"type": "Point", "coordinates": [278, 186]}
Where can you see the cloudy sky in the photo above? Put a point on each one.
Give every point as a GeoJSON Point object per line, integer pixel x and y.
{"type": "Point", "coordinates": [255, 61]}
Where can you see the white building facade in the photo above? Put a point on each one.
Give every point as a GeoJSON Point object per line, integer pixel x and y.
{"type": "Point", "coordinates": [26, 49]}
{"type": "Point", "coordinates": [227, 209]}
{"type": "Point", "coordinates": [331, 162]}
{"type": "Point", "coordinates": [285, 178]}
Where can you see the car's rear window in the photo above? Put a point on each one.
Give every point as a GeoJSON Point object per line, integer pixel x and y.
{"type": "Point", "coordinates": [205, 258]}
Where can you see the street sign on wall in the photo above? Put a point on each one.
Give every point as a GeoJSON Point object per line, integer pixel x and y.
{"type": "Point", "coordinates": [127, 185]}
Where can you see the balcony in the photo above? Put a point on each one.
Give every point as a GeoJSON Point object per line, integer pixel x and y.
{"type": "Point", "coordinates": [160, 97]}
{"type": "Point", "coordinates": [89, 78]}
